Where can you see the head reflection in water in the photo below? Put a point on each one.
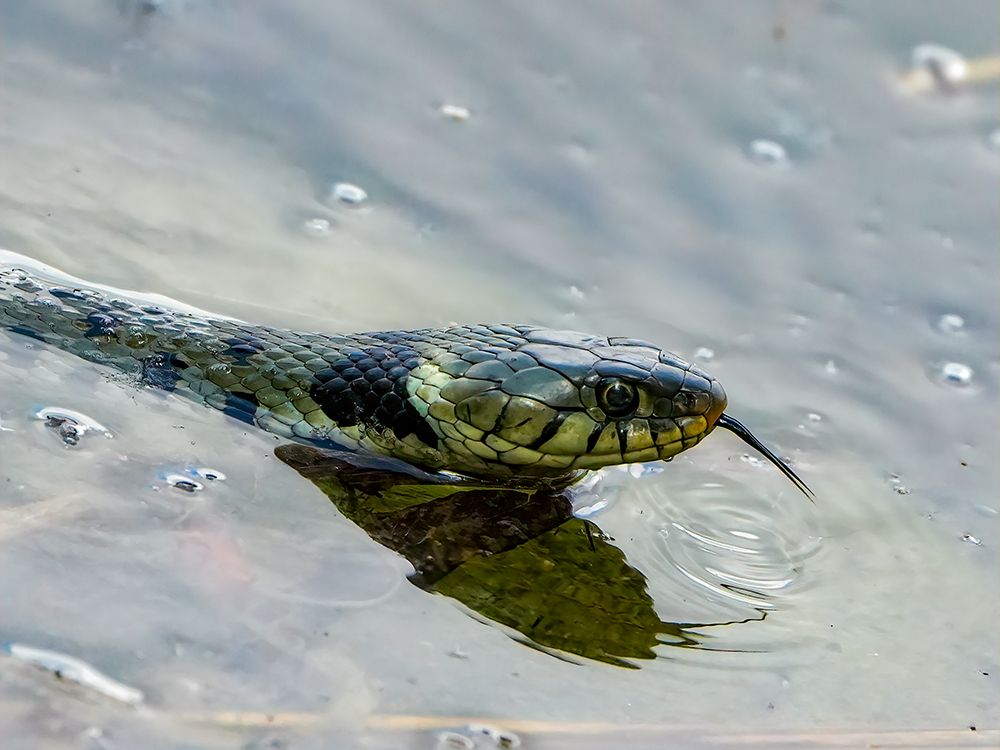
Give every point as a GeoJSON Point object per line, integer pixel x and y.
{"type": "Point", "coordinates": [513, 556]}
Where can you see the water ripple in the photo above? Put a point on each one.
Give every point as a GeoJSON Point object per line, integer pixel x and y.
{"type": "Point", "coordinates": [729, 549]}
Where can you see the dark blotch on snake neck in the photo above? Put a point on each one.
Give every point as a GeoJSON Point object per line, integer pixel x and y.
{"type": "Point", "coordinates": [369, 385]}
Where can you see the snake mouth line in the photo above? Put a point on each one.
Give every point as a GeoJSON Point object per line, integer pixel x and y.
{"type": "Point", "coordinates": [658, 452]}
{"type": "Point", "coordinates": [739, 429]}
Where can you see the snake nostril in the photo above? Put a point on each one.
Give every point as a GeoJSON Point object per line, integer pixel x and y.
{"type": "Point", "coordinates": [684, 404]}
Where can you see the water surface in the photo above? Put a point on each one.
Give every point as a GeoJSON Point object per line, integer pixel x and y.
{"type": "Point", "coordinates": [606, 180]}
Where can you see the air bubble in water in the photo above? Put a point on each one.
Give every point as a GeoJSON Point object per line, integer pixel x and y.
{"type": "Point", "coordinates": [500, 737]}
{"type": "Point", "coordinates": [454, 112]}
{"type": "Point", "coordinates": [505, 739]}
{"type": "Point", "coordinates": [454, 741]}
{"type": "Point", "coordinates": [704, 353]}
{"type": "Point", "coordinates": [768, 153]}
{"type": "Point", "coordinates": [13, 275]}
{"type": "Point", "coordinates": [956, 373]}
{"type": "Point", "coordinates": [348, 194]}
{"type": "Point", "coordinates": [184, 483]}
{"type": "Point", "coordinates": [70, 425]}
{"type": "Point", "coordinates": [972, 540]}
{"type": "Point", "coordinates": [317, 227]}
{"type": "Point", "coordinates": [950, 323]}
{"type": "Point", "coordinates": [210, 475]}
{"type": "Point", "coordinates": [896, 482]}
{"type": "Point", "coordinates": [946, 67]}
{"type": "Point", "coordinates": [69, 668]}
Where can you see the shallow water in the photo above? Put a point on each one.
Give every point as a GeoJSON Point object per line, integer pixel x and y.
{"type": "Point", "coordinates": [605, 179]}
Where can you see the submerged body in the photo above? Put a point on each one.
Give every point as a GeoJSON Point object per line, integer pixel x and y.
{"type": "Point", "coordinates": [486, 401]}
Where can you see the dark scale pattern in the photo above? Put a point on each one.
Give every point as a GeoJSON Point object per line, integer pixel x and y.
{"type": "Point", "coordinates": [241, 406]}
{"type": "Point", "coordinates": [242, 348]}
{"type": "Point", "coordinates": [369, 386]}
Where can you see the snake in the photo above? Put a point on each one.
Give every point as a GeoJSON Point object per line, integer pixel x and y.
{"type": "Point", "coordinates": [491, 402]}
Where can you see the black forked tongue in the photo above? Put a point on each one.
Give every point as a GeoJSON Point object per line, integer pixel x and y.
{"type": "Point", "coordinates": [747, 437]}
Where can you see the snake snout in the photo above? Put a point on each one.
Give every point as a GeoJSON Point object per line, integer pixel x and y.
{"type": "Point", "coordinates": [718, 403]}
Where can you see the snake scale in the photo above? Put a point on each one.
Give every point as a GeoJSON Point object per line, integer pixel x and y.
{"type": "Point", "coordinates": [487, 401]}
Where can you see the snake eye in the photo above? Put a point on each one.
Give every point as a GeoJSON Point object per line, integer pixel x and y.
{"type": "Point", "coordinates": [617, 398]}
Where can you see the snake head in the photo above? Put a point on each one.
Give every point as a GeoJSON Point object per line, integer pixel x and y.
{"type": "Point", "coordinates": [540, 402]}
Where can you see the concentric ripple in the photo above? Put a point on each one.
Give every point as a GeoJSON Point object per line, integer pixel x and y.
{"type": "Point", "coordinates": [724, 550]}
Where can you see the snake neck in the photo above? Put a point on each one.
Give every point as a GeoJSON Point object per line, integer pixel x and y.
{"type": "Point", "coordinates": [348, 390]}
{"type": "Point", "coordinates": [381, 391]}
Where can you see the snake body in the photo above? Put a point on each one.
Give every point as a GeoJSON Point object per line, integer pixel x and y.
{"type": "Point", "coordinates": [482, 400]}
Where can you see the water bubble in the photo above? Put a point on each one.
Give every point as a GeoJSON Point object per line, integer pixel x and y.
{"type": "Point", "coordinates": [135, 336]}
{"type": "Point", "coordinates": [317, 227]}
{"type": "Point", "coordinates": [454, 112]}
{"type": "Point", "coordinates": [831, 367]}
{"type": "Point", "coordinates": [945, 67]}
{"type": "Point", "coordinates": [812, 417]}
{"type": "Point", "coordinates": [896, 482]}
{"type": "Point", "coordinates": [506, 739]}
{"type": "Point", "coordinates": [66, 667]}
{"type": "Point", "coordinates": [454, 741]}
{"type": "Point", "coordinates": [704, 353]}
{"type": "Point", "coordinates": [70, 425]}
{"type": "Point", "coordinates": [956, 373]}
{"type": "Point", "coordinates": [768, 153]}
{"type": "Point", "coordinates": [951, 323]}
{"type": "Point", "coordinates": [210, 475]}
{"type": "Point", "coordinates": [500, 737]}
{"type": "Point", "coordinates": [183, 483]}
{"type": "Point", "coordinates": [576, 292]}
{"type": "Point", "coordinates": [13, 275]}
{"type": "Point", "coordinates": [972, 540]}
{"type": "Point", "coordinates": [348, 194]}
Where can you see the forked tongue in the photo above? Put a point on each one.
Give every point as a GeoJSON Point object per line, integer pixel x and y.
{"type": "Point", "coordinates": [748, 437]}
